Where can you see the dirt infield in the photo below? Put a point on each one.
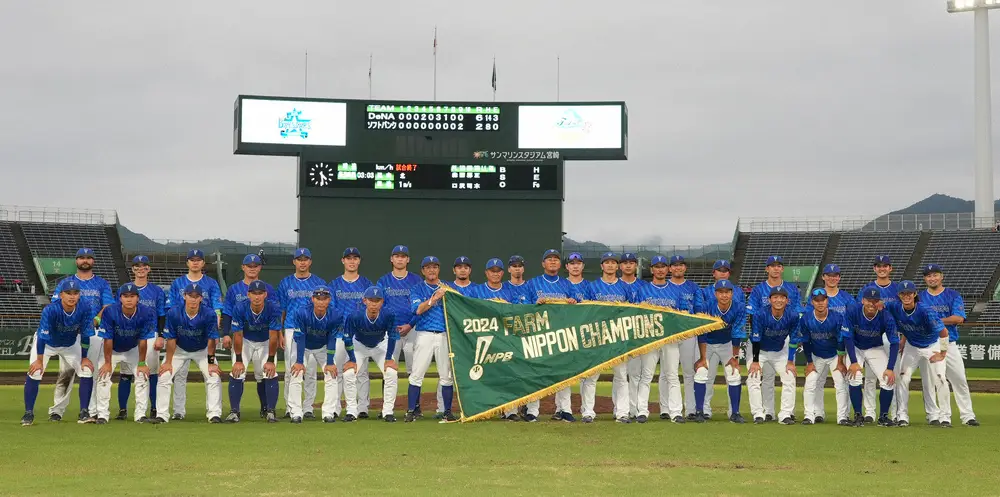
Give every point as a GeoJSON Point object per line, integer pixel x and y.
{"type": "Point", "coordinates": [428, 404]}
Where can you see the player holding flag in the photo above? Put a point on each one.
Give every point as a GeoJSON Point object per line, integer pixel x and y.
{"type": "Point", "coordinates": [496, 288]}
{"type": "Point", "coordinates": [431, 340]}
{"type": "Point", "coordinates": [864, 327]}
{"type": "Point", "coordinates": [256, 331]}
{"type": "Point", "coordinates": [721, 346]}
{"type": "Point", "coordinates": [371, 334]}
{"type": "Point", "coordinates": [125, 329]}
{"type": "Point", "coordinates": [608, 288]}
{"type": "Point", "coordinates": [295, 291]}
{"type": "Point", "coordinates": [315, 335]}
{"type": "Point", "coordinates": [685, 296]}
{"type": "Point", "coordinates": [153, 297]}
{"type": "Point", "coordinates": [659, 293]}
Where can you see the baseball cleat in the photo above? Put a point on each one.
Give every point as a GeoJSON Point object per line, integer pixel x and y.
{"type": "Point", "coordinates": [972, 422]}
{"type": "Point", "coordinates": [623, 420]}
{"type": "Point", "coordinates": [588, 419]}
{"type": "Point", "coordinates": [758, 420]}
{"type": "Point", "coordinates": [215, 420]}
{"type": "Point", "coordinates": [512, 417]}
{"type": "Point", "coordinates": [263, 412]}
{"type": "Point", "coordinates": [641, 419]}
{"type": "Point", "coordinates": [737, 418]}
{"type": "Point", "coordinates": [101, 421]}
{"type": "Point", "coordinates": [308, 415]}
{"type": "Point", "coordinates": [177, 417]}
{"type": "Point", "coordinates": [699, 417]}
{"type": "Point", "coordinates": [152, 413]}
{"type": "Point", "coordinates": [350, 417]}
{"type": "Point", "coordinates": [692, 417]}
{"type": "Point", "coordinates": [633, 417]}
{"type": "Point", "coordinates": [884, 420]}
{"type": "Point", "coordinates": [946, 424]}
{"type": "Point", "coordinates": [788, 421]}
{"type": "Point", "coordinates": [869, 419]}
{"type": "Point", "coordinates": [768, 418]}
{"type": "Point", "coordinates": [86, 421]}
{"type": "Point", "coordinates": [389, 419]}
{"type": "Point", "coordinates": [362, 415]}
{"type": "Point", "coordinates": [296, 420]}
{"type": "Point", "coordinates": [417, 413]}
{"type": "Point", "coordinates": [409, 417]}
{"type": "Point", "coordinates": [287, 415]}
{"type": "Point", "coordinates": [557, 416]}
{"type": "Point", "coordinates": [270, 417]}
{"type": "Point", "coordinates": [902, 423]}
{"type": "Point", "coordinates": [530, 418]}
{"type": "Point", "coordinates": [844, 422]}
{"type": "Point", "coordinates": [792, 416]}
{"type": "Point", "coordinates": [448, 416]}
{"type": "Point", "coordinates": [819, 419]}
{"type": "Point", "coordinates": [807, 421]}
{"type": "Point", "coordinates": [157, 420]}
{"type": "Point", "coordinates": [84, 416]}
{"type": "Point", "coordinates": [329, 419]}
{"type": "Point", "coordinates": [55, 418]}
{"type": "Point", "coordinates": [859, 420]}
{"type": "Point", "coordinates": [122, 415]}
{"type": "Point", "coordinates": [568, 417]}
{"type": "Point", "coordinates": [142, 420]}
{"type": "Point", "coordinates": [234, 417]}
{"type": "Point", "coordinates": [935, 422]}
{"type": "Point", "coordinates": [380, 416]}
{"type": "Point", "coordinates": [664, 415]}
{"type": "Point", "coordinates": [679, 420]}
{"type": "Point", "coordinates": [28, 419]}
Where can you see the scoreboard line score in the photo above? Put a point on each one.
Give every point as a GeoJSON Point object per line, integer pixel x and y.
{"type": "Point", "coordinates": [399, 117]}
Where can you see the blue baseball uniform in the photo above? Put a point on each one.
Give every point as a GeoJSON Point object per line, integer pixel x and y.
{"type": "Point", "coordinates": [506, 292]}
{"type": "Point", "coordinates": [603, 291]}
{"type": "Point", "coordinates": [314, 332]}
{"type": "Point", "coordinates": [237, 293]}
{"type": "Point", "coordinates": [256, 326]}
{"type": "Point", "coordinates": [863, 340]}
{"type": "Point", "coordinates": [821, 340]}
{"type": "Point", "coordinates": [708, 297]}
{"type": "Point", "coordinates": [65, 335]}
{"type": "Point", "coordinates": [373, 339]}
{"type": "Point", "coordinates": [580, 291]}
{"type": "Point", "coordinates": [430, 342]}
{"type": "Point", "coordinates": [95, 291]}
{"type": "Point", "coordinates": [316, 346]}
{"type": "Point", "coordinates": [520, 292]}
{"type": "Point", "coordinates": [945, 304]}
{"type": "Point", "coordinates": [890, 292]}
{"type": "Point", "coordinates": [211, 294]}
{"type": "Point", "coordinates": [768, 336]}
{"type": "Point", "coordinates": [126, 331]}
{"type": "Point", "coordinates": [347, 294]}
{"type": "Point", "coordinates": [192, 335]}
{"type": "Point", "coordinates": [840, 302]}
{"type": "Point", "coordinates": [760, 297]}
{"type": "Point", "coordinates": [548, 287]}
{"type": "Point", "coordinates": [922, 328]}
{"type": "Point", "coordinates": [397, 296]}
{"type": "Point", "coordinates": [950, 303]}
{"type": "Point", "coordinates": [294, 293]}
{"type": "Point", "coordinates": [464, 290]}
{"type": "Point", "coordinates": [719, 346]}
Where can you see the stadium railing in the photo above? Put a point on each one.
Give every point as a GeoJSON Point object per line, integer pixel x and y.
{"type": "Point", "coordinates": [57, 215]}
{"type": "Point", "coordinates": [886, 223]}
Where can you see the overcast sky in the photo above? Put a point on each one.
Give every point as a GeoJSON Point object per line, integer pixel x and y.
{"type": "Point", "coordinates": [127, 106]}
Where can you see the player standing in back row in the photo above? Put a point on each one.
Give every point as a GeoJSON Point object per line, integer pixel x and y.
{"type": "Point", "coordinates": [347, 291]}
{"type": "Point", "coordinates": [550, 287]}
{"type": "Point", "coordinates": [396, 285]}
{"type": "Point", "coordinates": [608, 288]}
{"type": "Point", "coordinates": [658, 293]}
{"type": "Point", "coordinates": [295, 291]}
{"type": "Point", "coordinates": [685, 296]}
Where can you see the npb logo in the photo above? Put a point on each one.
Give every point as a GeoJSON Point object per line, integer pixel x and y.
{"type": "Point", "coordinates": [294, 125]}
{"type": "Point", "coordinates": [483, 356]}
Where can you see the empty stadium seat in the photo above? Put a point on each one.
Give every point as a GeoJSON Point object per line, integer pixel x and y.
{"type": "Point", "coordinates": [795, 248]}
{"type": "Point", "coordinates": [857, 252]}
{"type": "Point", "coordinates": [20, 310]}
{"type": "Point", "coordinates": [63, 240]}
{"type": "Point", "coordinates": [11, 267]}
{"type": "Point", "coordinates": [968, 257]}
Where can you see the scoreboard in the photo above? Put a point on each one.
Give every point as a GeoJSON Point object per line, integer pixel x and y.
{"type": "Point", "coordinates": [390, 117]}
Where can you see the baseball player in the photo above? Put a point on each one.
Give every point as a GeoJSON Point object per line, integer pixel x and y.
{"type": "Point", "coordinates": [347, 291]}
{"type": "Point", "coordinates": [838, 300]}
{"type": "Point", "coordinates": [126, 329]}
{"type": "Point", "coordinates": [519, 287]}
{"type": "Point", "coordinates": [64, 332]}
{"type": "Point", "coordinates": [545, 288]}
{"type": "Point", "coordinates": [924, 342]}
{"type": "Point", "coordinates": [629, 268]}
{"type": "Point", "coordinates": [888, 289]}
{"type": "Point", "coordinates": [684, 296]}
{"type": "Point", "coordinates": [295, 291]}
{"type": "Point", "coordinates": [760, 297]}
{"type": "Point", "coordinates": [191, 334]}
{"type": "Point", "coordinates": [463, 272]}
{"type": "Point", "coordinates": [721, 270]}
{"type": "Point", "coordinates": [316, 331]}
{"type": "Point", "coordinates": [153, 297]}
{"type": "Point", "coordinates": [431, 340]}
{"type": "Point", "coordinates": [256, 331]}
{"type": "Point", "coordinates": [721, 346]}
{"type": "Point", "coordinates": [864, 327]}
{"type": "Point", "coordinates": [96, 293]}
{"type": "Point", "coordinates": [211, 298]}
{"type": "Point", "coordinates": [608, 288]}
{"type": "Point", "coordinates": [579, 287]}
{"type": "Point", "coordinates": [951, 308]}
{"type": "Point", "coordinates": [371, 333]}
{"type": "Point", "coordinates": [820, 337]}
{"type": "Point", "coordinates": [658, 292]}
{"type": "Point", "coordinates": [396, 285]}
{"type": "Point", "coordinates": [496, 288]}
{"type": "Point", "coordinates": [772, 327]}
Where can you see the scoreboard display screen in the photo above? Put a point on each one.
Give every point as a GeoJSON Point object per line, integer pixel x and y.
{"type": "Point", "coordinates": [450, 117]}
{"type": "Point", "coordinates": [393, 176]}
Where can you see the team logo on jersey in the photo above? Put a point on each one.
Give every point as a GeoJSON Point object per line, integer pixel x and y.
{"type": "Point", "coordinates": [294, 125]}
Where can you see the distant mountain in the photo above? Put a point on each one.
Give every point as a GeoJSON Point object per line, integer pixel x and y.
{"type": "Point", "coordinates": [592, 249]}
{"type": "Point", "coordinates": [139, 243]}
{"type": "Point", "coordinates": [918, 216]}
{"type": "Point", "coordinates": [942, 204]}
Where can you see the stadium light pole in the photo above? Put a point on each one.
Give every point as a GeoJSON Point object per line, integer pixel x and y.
{"type": "Point", "coordinates": [983, 102]}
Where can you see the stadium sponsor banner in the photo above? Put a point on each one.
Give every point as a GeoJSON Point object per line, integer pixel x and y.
{"type": "Point", "coordinates": [506, 355]}
{"type": "Point", "coordinates": [56, 265]}
{"type": "Point", "coordinates": [800, 274]}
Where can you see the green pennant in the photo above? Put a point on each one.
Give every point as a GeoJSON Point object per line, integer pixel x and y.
{"type": "Point", "coordinates": [506, 355]}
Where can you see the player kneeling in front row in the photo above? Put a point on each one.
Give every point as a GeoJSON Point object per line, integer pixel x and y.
{"type": "Point", "coordinates": [819, 336]}
{"type": "Point", "coordinates": [370, 333]}
{"type": "Point", "coordinates": [771, 326]}
{"type": "Point", "coordinates": [314, 331]}
{"type": "Point", "coordinates": [125, 328]}
{"type": "Point", "coordinates": [863, 330]}
{"type": "Point", "coordinates": [721, 347]}
{"type": "Point", "coordinates": [64, 331]}
{"type": "Point", "coordinates": [256, 329]}
{"type": "Point", "coordinates": [191, 334]}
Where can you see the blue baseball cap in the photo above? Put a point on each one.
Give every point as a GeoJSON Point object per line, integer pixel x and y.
{"type": "Point", "coordinates": [192, 288]}
{"type": "Point", "coordinates": [430, 259]}
{"type": "Point", "coordinates": [140, 259]}
{"type": "Point", "coordinates": [933, 268]}
{"type": "Point", "coordinates": [778, 290]}
{"type": "Point", "coordinates": [831, 269]}
{"type": "Point", "coordinates": [721, 264]}
{"type": "Point", "coordinates": [658, 260]}
{"type": "Point", "coordinates": [494, 262]}
{"type": "Point", "coordinates": [372, 292]}
{"type": "Point", "coordinates": [551, 253]}
{"type": "Point", "coordinates": [351, 251]}
{"type": "Point", "coordinates": [321, 290]}
{"type": "Point", "coordinates": [302, 252]}
{"type": "Point", "coordinates": [195, 254]}
{"type": "Point", "coordinates": [871, 294]}
{"type": "Point", "coordinates": [250, 259]}
{"type": "Point", "coordinates": [85, 252]}
{"type": "Point", "coordinates": [907, 286]}
{"type": "Point", "coordinates": [462, 260]}
{"type": "Point", "coordinates": [882, 259]}
{"type": "Point", "coordinates": [677, 259]}
{"type": "Point", "coordinates": [775, 259]}
{"type": "Point", "coordinates": [401, 249]}
{"type": "Point", "coordinates": [515, 259]}
{"type": "Point", "coordinates": [256, 286]}
{"type": "Point", "coordinates": [819, 293]}
{"type": "Point", "coordinates": [723, 285]}
{"type": "Point", "coordinates": [127, 289]}
{"type": "Point", "coordinates": [608, 256]}
{"type": "Point", "coordinates": [629, 257]}
{"type": "Point", "coordinates": [575, 256]}
{"type": "Point", "coordinates": [70, 285]}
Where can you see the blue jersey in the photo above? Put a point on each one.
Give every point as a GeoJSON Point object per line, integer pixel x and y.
{"type": "Point", "coordinates": [95, 292]}
{"type": "Point", "coordinates": [125, 332]}
{"type": "Point", "coordinates": [708, 297]}
{"type": "Point", "coordinates": [580, 291]}
{"type": "Point", "coordinates": [820, 337]}
{"type": "Point", "coordinates": [735, 319]}
{"type": "Point", "coordinates": [770, 331]}
{"type": "Point", "coordinates": [192, 334]}
{"type": "Point", "coordinates": [654, 294]}
{"type": "Point", "coordinates": [890, 292]}
{"type": "Point", "coordinates": [684, 296]}
{"type": "Point", "coordinates": [237, 293]}
{"type": "Point", "coordinates": [867, 333]}
{"type": "Point", "coordinates": [397, 296]}
{"type": "Point", "coordinates": [294, 292]}
{"type": "Point", "coordinates": [256, 327]}
{"type": "Point", "coordinates": [633, 288]}
{"type": "Point", "coordinates": [211, 294]}
{"type": "Point", "coordinates": [313, 332]}
{"type": "Point", "coordinates": [433, 318]}
{"type": "Point", "coordinates": [464, 290]}
{"type": "Point", "coordinates": [347, 295]}
{"type": "Point", "coordinates": [921, 326]}
{"type": "Point", "coordinates": [521, 293]}
{"type": "Point", "coordinates": [154, 297]}
{"type": "Point", "coordinates": [840, 302]}
{"type": "Point", "coordinates": [370, 332]}
{"type": "Point", "coordinates": [58, 328]}
{"type": "Point", "coordinates": [603, 291]}
{"type": "Point", "coordinates": [946, 304]}
{"type": "Point", "coordinates": [506, 293]}
{"type": "Point", "coordinates": [760, 297]}
{"type": "Point", "coordinates": [549, 287]}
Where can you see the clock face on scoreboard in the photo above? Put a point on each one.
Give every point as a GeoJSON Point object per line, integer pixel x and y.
{"type": "Point", "coordinates": [397, 176]}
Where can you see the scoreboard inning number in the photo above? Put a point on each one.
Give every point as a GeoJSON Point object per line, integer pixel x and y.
{"type": "Point", "coordinates": [462, 118]}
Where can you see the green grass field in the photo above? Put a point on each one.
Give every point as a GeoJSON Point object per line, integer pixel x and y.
{"type": "Point", "coordinates": [191, 457]}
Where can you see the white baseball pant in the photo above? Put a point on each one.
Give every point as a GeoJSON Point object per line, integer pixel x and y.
{"type": "Point", "coordinates": [689, 356]}
{"type": "Point", "coordinates": [391, 377]}
{"type": "Point", "coordinates": [129, 362]}
{"type": "Point", "coordinates": [771, 364]}
{"type": "Point", "coordinates": [873, 361]}
{"type": "Point", "coordinates": [670, 384]}
{"type": "Point", "coordinates": [619, 392]}
{"type": "Point", "coordinates": [70, 356]}
{"type": "Point", "coordinates": [812, 395]}
{"type": "Point", "coordinates": [64, 383]}
{"type": "Point", "coordinates": [180, 379]}
{"type": "Point", "coordinates": [311, 359]}
{"type": "Point", "coordinates": [955, 373]}
{"type": "Point", "coordinates": [429, 345]}
{"type": "Point", "coordinates": [213, 384]}
{"type": "Point", "coordinates": [871, 378]}
{"type": "Point", "coordinates": [290, 358]}
{"type": "Point", "coordinates": [913, 357]}
{"type": "Point", "coordinates": [362, 380]}
{"type": "Point", "coordinates": [641, 381]}
{"type": "Point", "coordinates": [563, 403]}
{"type": "Point", "coordinates": [717, 354]}
{"type": "Point", "coordinates": [255, 354]}
{"type": "Point", "coordinates": [634, 370]}
{"type": "Point", "coordinates": [767, 388]}
{"type": "Point", "coordinates": [152, 358]}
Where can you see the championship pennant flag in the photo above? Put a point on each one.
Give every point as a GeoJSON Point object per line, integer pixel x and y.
{"type": "Point", "coordinates": [506, 355]}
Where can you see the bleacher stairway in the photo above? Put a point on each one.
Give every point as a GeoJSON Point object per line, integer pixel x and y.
{"type": "Point", "coordinates": [22, 249]}
{"type": "Point", "coordinates": [912, 271]}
